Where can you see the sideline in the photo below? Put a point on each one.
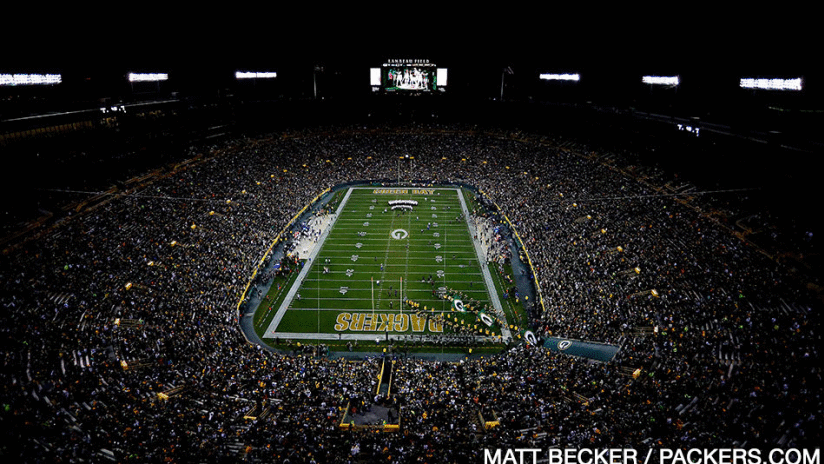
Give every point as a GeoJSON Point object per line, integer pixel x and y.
{"type": "Point", "coordinates": [479, 252]}
{"type": "Point", "coordinates": [271, 331]}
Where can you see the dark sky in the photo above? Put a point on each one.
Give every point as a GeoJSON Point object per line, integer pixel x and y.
{"type": "Point", "coordinates": [709, 48]}
{"type": "Point", "coordinates": [679, 36]}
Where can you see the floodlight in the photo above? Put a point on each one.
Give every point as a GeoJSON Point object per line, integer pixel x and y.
{"type": "Point", "coordinates": [660, 80]}
{"type": "Point", "coordinates": [148, 77]}
{"type": "Point", "coordinates": [30, 79]}
{"type": "Point", "coordinates": [771, 84]}
{"type": "Point", "coordinates": [561, 77]}
{"type": "Point", "coordinates": [255, 75]}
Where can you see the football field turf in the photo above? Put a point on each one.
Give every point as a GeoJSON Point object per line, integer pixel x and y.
{"type": "Point", "coordinates": [390, 263]}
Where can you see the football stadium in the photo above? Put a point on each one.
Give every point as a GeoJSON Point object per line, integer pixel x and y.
{"type": "Point", "coordinates": [410, 254]}
{"type": "Point", "coordinates": [356, 270]}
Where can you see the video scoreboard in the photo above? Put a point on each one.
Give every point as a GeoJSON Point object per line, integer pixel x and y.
{"type": "Point", "coordinates": [401, 75]}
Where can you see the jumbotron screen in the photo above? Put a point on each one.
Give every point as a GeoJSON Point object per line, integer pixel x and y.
{"type": "Point", "coordinates": [408, 75]}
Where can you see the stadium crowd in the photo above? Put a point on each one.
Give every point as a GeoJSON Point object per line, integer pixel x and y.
{"type": "Point", "coordinates": [121, 340]}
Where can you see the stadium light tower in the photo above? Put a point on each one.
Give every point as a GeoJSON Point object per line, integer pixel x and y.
{"type": "Point", "coordinates": [571, 77]}
{"type": "Point", "coordinates": [140, 78]}
{"type": "Point", "coordinates": [315, 71]}
{"type": "Point", "coordinates": [669, 81]}
{"type": "Point", "coordinates": [406, 159]}
{"type": "Point", "coordinates": [506, 70]}
{"type": "Point", "coordinates": [770, 83]}
{"type": "Point", "coordinates": [255, 75]}
{"type": "Point", "coordinates": [10, 80]}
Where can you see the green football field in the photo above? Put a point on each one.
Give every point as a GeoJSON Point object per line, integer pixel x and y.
{"type": "Point", "coordinates": [389, 263]}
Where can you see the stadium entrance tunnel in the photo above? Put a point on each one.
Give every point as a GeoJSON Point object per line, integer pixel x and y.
{"type": "Point", "coordinates": [583, 349]}
{"type": "Point", "coordinates": [376, 410]}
